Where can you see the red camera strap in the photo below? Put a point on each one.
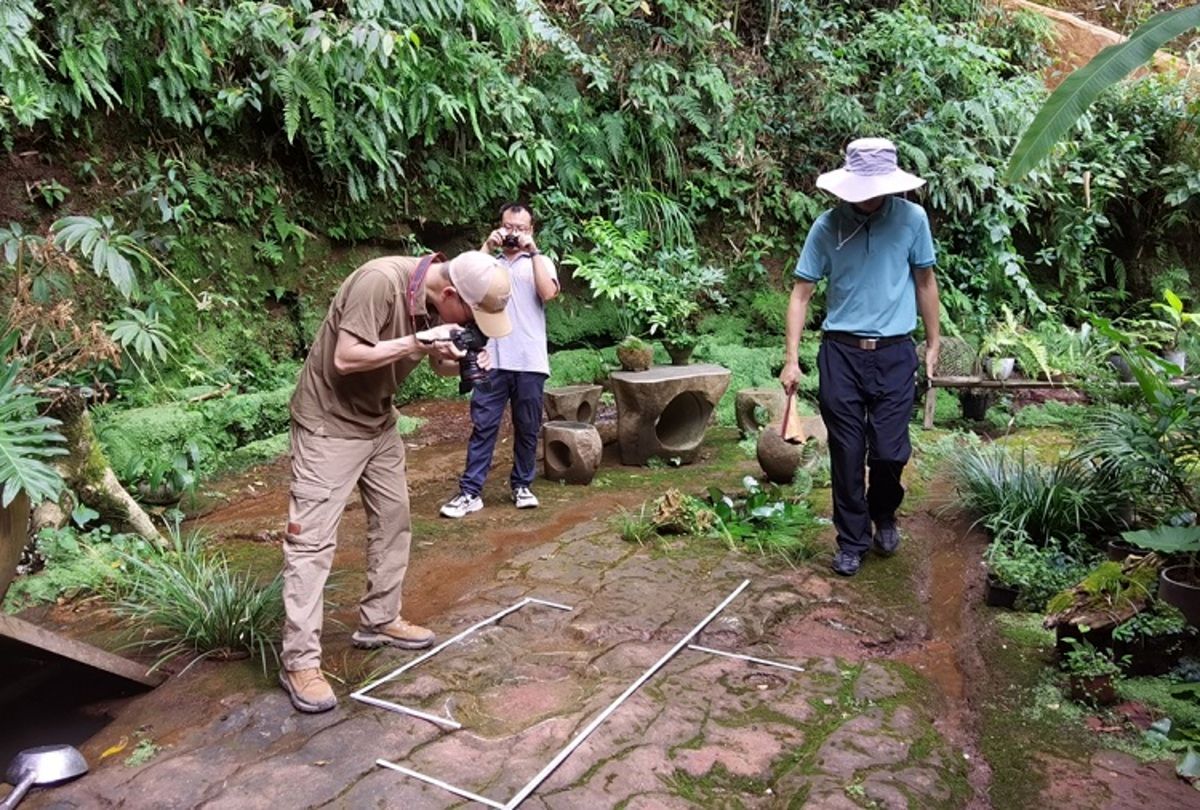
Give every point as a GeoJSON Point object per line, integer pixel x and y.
{"type": "Point", "coordinates": [416, 283]}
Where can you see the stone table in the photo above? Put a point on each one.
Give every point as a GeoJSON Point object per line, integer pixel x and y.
{"type": "Point", "coordinates": [663, 412]}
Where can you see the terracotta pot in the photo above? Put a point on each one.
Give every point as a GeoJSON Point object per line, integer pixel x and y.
{"type": "Point", "coordinates": [1179, 586]}
{"type": "Point", "coordinates": [1096, 689]}
{"type": "Point", "coordinates": [633, 359]}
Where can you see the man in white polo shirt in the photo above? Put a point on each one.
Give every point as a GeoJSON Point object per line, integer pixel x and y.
{"type": "Point", "coordinates": [520, 366]}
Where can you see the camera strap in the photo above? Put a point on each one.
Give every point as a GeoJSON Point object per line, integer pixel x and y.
{"type": "Point", "coordinates": [416, 286]}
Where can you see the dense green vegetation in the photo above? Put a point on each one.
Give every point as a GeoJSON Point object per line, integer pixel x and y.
{"type": "Point", "coordinates": [188, 182]}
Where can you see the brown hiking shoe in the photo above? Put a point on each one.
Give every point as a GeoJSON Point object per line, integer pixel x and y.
{"type": "Point", "coordinates": [308, 689]}
{"type": "Point", "coordinates": [399, 633]}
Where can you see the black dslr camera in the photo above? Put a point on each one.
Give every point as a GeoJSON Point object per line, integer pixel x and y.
{"type": "Point", "coordinates": [510, 240]}
{"type": "Point", "coordinates": [471, 340]}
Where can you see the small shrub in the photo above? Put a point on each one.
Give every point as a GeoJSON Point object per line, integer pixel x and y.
{"type": "Point", "coordinates": [425, 383]}
{"type": "Point", "coordinates": [189, 601]}
{"type": "Point", "coordinates": [575, 366]}
{"type": "Point", "coordinates": [635, 528]}
{"type": "Point", "coordinates": [573, 321]}
{"type": "Point", "coordinates": [1044, 502]}
{"type": "Point", "coordinates": [72, 563]}
{"type": "Point", "coordinates": [766, 518]}
{"type": "Point", "coordinates": [770, 313]}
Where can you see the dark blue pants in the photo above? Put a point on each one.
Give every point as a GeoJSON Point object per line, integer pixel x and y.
{"type": "Point", "coordinates": [866, 400]}
{"type": "Point", "coordinates": [524, 390]}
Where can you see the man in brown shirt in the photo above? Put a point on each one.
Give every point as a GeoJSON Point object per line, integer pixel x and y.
{"type": "Point", "coordinates": [378, 328]}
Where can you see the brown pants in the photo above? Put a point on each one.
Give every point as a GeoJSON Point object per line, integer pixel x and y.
{"type": "Point", "coordinates": [324, 471]}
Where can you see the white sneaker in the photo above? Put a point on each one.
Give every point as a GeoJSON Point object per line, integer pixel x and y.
{"type": "Point", "coordinates": [524, 499]}
{"type": "Point", "coordinates": [462, 505]}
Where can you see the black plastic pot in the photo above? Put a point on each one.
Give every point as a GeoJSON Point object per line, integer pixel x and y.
{"type": "Point", "coordinates": [1098, 637]}
{"type": "Point", "coordinates": [1118, 550]}
{"type": "Point", "coordinates": [999, 594]}
{"type": "Point", "coordinates": [1179, 585]}
{"type": "Point", "coordinates": [1154, 655]}
{"type": "Point", "coordinates": [1121, 366]}
{"type": "Point", "coordinates": [974, 405]}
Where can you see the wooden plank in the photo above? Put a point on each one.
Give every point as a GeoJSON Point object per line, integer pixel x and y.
{"type": "Point", "coordinates": [14, 534]}
{"type": "Point", "coordinates": [40, 638]}
{"type": "Point", "coordinates": [980, 382]}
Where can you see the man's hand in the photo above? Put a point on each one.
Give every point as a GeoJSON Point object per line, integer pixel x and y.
{"type": "Point", "coordinates": [525, 243]}
{"type": "Point", "coordinates": [494, 241]}
{"type": "Point", "coordinates": [484, 360]}
{"type": "Point", "coordinates": [933, 350]}
{"type": "Point", "coordinates": [437, 342]}
{"type": "Point", "coordinates": [789, 378]}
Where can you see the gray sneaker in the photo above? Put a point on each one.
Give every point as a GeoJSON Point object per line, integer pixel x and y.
{"type": "Point", "coordinates": [461, 505]}
{"type": "Point", "coordinates": [887, 540]}
{"type": "Point", "coordinates": [524, 498]}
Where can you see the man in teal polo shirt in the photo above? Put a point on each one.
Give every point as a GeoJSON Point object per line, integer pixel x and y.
{"type": "Point", "coordinates": [876, 253]}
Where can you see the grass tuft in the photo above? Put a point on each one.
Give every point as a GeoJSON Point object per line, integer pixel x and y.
{"type": "Point", "coordinates": [190, 601]}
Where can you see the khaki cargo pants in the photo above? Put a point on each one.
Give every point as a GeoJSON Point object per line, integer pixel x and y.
{"type": "Point", "coordinates": [324, 471]}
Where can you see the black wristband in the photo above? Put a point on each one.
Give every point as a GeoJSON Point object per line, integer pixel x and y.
{"type": "Point", "coordinates": [533, 253]}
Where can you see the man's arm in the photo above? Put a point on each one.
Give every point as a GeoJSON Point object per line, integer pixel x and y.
{"type": "Point", "coordinates": [545, 277]}
{"type": "Point", "coordinates": [797, 312]}
{"type": "Point", "coordinates": [929, 306]}
{"type": "Point", "coordinates": [353, 354]}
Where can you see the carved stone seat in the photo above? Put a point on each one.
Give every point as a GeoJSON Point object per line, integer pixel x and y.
{"type": "Point", "coordinates": [572, 403]}
{"type": "Point", "coordinates": [749, 400]}
{"type": "Point", "coordinates": [663, 412]}
{"type": "Point", "coordinates": [573, 451]}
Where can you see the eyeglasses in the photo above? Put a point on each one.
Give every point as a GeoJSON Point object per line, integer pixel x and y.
{"type": "Point", "coordinates": [517, 228]}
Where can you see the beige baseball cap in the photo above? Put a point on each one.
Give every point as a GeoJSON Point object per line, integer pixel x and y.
{"type": "Point", "coordinates": [483, 282]}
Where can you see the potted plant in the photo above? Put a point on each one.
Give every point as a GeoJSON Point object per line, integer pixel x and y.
{"type": "Point", "coordinates": [1173, 323]}
{"type": "Point", "coordinates": [1092, 673]}
{"type": "Point", "coordinates": [635, 354]}
{"type": "Point", "coordinates": [680, 346]}
{"type": "Point", "coordinates": [1009, 566]}
{"type": "Point", "coordinates": [1024, 575]}
{"type": "Point", "coordinates": [660, 293]}
{"type": "Point", "coordinates": [1009, 341]}
{"type": "Point", "coordinates": [1178, 584]}
{"type": "Point", "coordinates": [687, 291]}
{"type": "Point", "coordinates": [1152, 640]}
{"type": "Point", "coordinates": [161, 480]}
{"type": "Point", "coordinates": [616, 268]}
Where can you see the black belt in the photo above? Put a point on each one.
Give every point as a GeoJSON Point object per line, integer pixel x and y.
{"type": "Point", "coordinates": [861, 342]}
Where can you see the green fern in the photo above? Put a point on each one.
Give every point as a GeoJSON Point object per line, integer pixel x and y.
{"type": "Point", "coordinates": [26, 440]}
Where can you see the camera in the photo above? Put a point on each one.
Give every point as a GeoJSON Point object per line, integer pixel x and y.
{"type": "Point", "coordinates": [510, 240]}
{"type": "Point", "coordinates": [471, 340]}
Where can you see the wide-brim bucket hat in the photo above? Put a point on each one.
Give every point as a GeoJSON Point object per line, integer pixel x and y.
{"type": "Point", "coordinates": [871, 170]}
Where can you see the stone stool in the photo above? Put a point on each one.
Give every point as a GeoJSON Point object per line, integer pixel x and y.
{"type": "Point", "coordinates": [572, 403]}
{"type": "Point", "coordinates": [749, 400]}
{"type": "Point", "coordinates": [573, 451]}
{"type": "Point", "coordinates": [663, 412]}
